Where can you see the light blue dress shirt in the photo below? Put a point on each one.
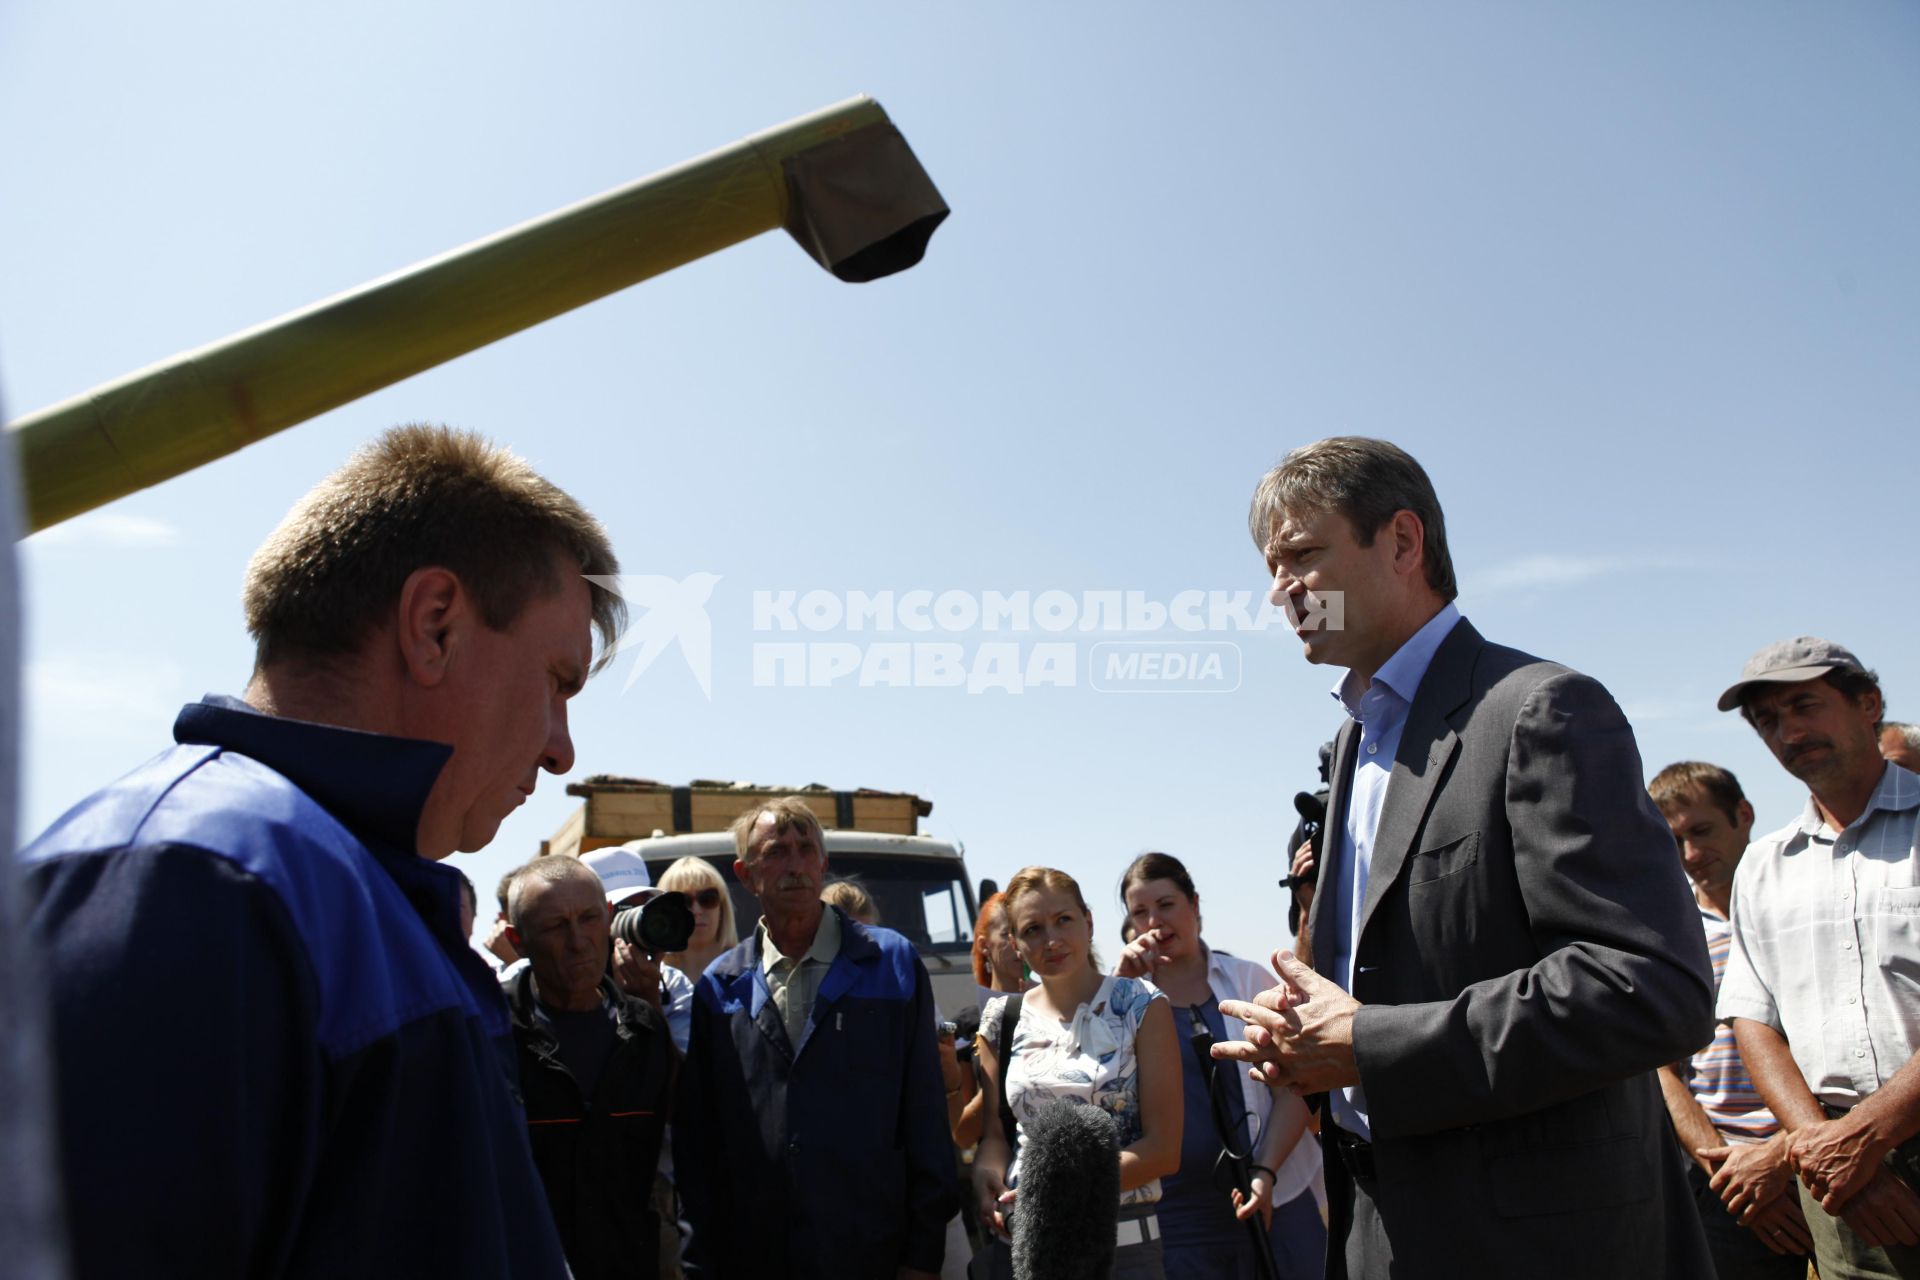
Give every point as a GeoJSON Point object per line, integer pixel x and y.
{"type": "Point", "coordinates": [1380, 710]}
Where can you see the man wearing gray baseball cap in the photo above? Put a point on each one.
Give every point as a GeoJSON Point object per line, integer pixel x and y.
{"type": "Point", "coordinates": [1820, 982]}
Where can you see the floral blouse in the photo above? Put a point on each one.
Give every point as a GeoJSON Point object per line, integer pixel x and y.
{"type": "Point", "coordinates": [1089, 1059]}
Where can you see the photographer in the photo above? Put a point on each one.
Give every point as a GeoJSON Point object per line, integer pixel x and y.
{"type": "Point", "coordinates": [597, 1070]}
{"type": "Point", "coordinates": [648, 925]}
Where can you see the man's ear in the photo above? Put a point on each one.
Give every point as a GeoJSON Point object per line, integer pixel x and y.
{"type": "Point", "coordinates": [740, 872]}
{"type": "Point", "coordinates": [1409, 541]}
{"type": "Point", "coordinates": [513, 936]}
{"type": "Point", "coordinates": [435, 609]}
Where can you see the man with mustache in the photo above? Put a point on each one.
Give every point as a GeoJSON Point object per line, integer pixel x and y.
{"type": "Point", "coordinates": [812, 1139]}
{"type": "Point", "coordinates": [1820, 978]}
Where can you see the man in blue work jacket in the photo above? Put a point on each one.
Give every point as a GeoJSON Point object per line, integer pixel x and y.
{"type": "Point", "coordinates": [277, 1055]}
{"type": "Point", "coordinates": [812, 1140]}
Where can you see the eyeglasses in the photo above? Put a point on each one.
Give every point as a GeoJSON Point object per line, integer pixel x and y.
{"type": "Point", "coordinates": [706, 899]}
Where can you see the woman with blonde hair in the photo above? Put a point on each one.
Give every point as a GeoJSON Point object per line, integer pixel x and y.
{"type": "Point", "coordinates": [1081, 1036]}
{"type": "Point", "coordinates": [714, 933]}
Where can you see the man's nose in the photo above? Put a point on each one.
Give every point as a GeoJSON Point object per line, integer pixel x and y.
{"type": "Point", "coordinates": [559, 756]}
{"type": "Point", "coordinates": [1281, 590]}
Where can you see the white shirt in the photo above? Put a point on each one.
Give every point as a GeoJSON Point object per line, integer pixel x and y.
{"type": "Point", "coordinates": [1826, 941]}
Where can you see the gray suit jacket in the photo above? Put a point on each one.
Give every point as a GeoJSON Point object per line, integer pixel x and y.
{"type": "Point", "coordinates": [1528, 953]}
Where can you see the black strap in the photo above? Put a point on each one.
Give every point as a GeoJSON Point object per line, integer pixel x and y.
{"type": "Point", "coordinates": [1009, 1020]}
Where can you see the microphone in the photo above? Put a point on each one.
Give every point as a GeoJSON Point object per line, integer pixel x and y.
{"type": "Point", "coordinates": [1069, 1204]}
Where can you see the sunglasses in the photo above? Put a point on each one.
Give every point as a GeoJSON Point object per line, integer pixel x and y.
{"type": "Point", "coordinates": [706, 899]}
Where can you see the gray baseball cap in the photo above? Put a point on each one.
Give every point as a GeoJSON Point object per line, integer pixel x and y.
{"type": "Point", "coordinates": [1790, 661]}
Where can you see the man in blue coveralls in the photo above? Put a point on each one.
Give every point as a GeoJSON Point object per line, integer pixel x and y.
{"type": "Point", "coordinates": [276, 1053]}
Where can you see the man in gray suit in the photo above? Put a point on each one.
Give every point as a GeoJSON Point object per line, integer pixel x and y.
{"type": "Point", "coordinates": [1501, 901]}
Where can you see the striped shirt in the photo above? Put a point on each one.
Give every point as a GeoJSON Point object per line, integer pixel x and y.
{"type": "Point", "coordinates": [1826, 941]}
{"type": "Point", "coordinates": [1716, 1074]}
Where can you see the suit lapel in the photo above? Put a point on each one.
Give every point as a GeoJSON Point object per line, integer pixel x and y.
{"type": "Point", "coordinates": [1427, 745]}
{"type": "Point", "coordinates": [1346, 746]}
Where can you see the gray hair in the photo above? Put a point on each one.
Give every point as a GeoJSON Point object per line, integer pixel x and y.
{"type": "Point", "coordinates": [1365, 481]}
{"type": "Point", "coordinates": [550, 869]}
{"type": "Point", "coordinates": [1910, 732]}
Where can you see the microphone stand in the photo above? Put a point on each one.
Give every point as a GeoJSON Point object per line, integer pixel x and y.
{"type": "Point", "coordinates": [1202, 1041]}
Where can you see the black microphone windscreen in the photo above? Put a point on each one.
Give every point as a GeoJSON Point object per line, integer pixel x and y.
{"type": "Point", "coordinates": [1069, 1203]}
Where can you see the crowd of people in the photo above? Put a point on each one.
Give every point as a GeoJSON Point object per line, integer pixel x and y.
{"type": "Point", "coordinates": [1542, 1015]}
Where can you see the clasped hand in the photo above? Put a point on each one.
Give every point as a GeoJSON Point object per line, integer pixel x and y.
{"type": "Point", "coordinates": [1299, 1033]}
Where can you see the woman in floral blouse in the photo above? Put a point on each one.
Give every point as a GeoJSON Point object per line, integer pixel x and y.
{"type": "Point", "coordinates": [1084, 1037]}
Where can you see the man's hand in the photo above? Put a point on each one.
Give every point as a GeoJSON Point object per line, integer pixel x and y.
{"type": "Point", "coordinates": [992, 1200]}
{"type": "Point", "coordinates": [1260, 1201]}
{"type": "Point", "coordinates": [1835, 1158]}
{"type": "Point", "coordinates": [1781, 1226]}
{"type": "Point", "coordinates": [636, 972]}
{"type": "Point", "coordinates": [1884, 1212]}
{"type": "Point", "coordinates": [1141, 957]}
{"type": "Point", "coordinates": [498, 943]}
{"type": "Point", "coordinates": [1303, 866]}
{"type": "Point", "coordinates": [1299, 1034]}
{"type": "Point", "coordinates": [1749, 1176]}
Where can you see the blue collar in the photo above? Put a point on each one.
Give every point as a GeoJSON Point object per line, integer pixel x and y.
{"type": "Point", "coordinates": [1403, 672]}
{"type": "Point", "coordinates": [374, 784]}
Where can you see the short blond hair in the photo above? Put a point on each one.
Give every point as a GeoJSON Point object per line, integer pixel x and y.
{"type": "Point", "coordinates": [787, 811]}
{"type": "Point", "coordinates": [420, 496]}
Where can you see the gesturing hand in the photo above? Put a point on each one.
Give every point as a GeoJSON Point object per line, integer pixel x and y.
{"type": "Point", "coordinates": [1141, 957]}
{"type": "Point", "coordinates": [1299, 1033]}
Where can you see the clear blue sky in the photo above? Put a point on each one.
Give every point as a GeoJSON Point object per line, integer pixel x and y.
{"type": "Point", "coordinates": [1639, 284]}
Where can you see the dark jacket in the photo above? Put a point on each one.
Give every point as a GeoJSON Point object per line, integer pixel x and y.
{"type": "Point", "coordinates": [827, 1159]}
{"type": "Point", "coordinates": [598, 1155]}
{"type": "Point", "coordinates": [277, 1054]}
{"type": "Point", "coordinates": [1528, 952]}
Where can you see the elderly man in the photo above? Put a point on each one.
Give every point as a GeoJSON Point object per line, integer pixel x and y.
{"type": "Point", "coordinates": [813, 1141]}
{"type": "Point", "coordinates": [597, 1070]}
{"type": "Point", "coordinates": [1820, 979]}
{"type": "Point", "coordinates": [277, 1054]}
{"type": "Point", "coordinates": [1722, 1123]}
{"type": "Point", "coordinates": [1503, 948]}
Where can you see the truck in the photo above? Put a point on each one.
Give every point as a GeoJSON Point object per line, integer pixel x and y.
{"type": "Point", "coordinates": [918, 883]}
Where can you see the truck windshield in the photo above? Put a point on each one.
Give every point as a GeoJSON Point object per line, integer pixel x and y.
{"type": "Point", "coordinates": [922, 898]}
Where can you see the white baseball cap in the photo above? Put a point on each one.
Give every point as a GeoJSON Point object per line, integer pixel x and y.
{"type": "Point", "coordinates": [622, 872]}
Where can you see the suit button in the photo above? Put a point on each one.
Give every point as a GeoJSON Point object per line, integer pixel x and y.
{"type": "Point", "coordinates": [793, 1148]}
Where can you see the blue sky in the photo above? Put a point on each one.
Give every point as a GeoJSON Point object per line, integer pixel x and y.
{"type": "Point", "coordinates": [1641, 288]}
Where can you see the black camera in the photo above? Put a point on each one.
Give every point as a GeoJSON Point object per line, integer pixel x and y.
{"type": "Point", "coordinates": [661, 924]}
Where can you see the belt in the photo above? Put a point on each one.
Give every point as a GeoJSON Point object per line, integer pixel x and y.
{"type": "Point", "coordinates": [1136, 1230]}
{"type": "Point", "coordinates": [1355, 1152]}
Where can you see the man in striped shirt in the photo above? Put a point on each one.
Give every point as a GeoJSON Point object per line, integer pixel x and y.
{"type": "Point", "coordinates": [1717, 1114]}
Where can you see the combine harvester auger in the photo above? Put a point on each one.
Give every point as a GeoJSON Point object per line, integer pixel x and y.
{"type": "Point", "coordinates": [842, 181]}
